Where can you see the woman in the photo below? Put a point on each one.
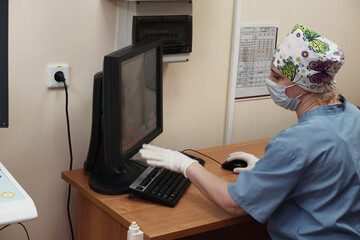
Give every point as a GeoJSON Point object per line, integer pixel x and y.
{"type": "Point", "coordinates": [307, 185]}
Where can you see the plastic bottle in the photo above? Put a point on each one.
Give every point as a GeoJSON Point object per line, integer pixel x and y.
{"type": "Point", "coordinates": [134, 232]}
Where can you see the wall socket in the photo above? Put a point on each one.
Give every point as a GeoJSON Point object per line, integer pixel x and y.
{"type": "Point", "coordinates": [52, 69]}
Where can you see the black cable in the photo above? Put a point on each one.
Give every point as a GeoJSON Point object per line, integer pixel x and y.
{"type": "Point", "coordinates": [68, 212]}
{"type": "Point", "coordinates": [59, 76]}
{"type": "Point", "coordinates": [27, 234]}
{"type": "Point", "coordinates": [4, 227]}
{"type": "Point", "coordinates": [68, 125]}
{"type": "Point", "coordinates": [189, 149]}
{"type": "Point", "coordinates": [71, 157]}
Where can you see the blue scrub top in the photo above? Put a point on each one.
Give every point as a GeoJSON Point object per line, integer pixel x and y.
{"type": "Point", "coordinates": [307, 185]}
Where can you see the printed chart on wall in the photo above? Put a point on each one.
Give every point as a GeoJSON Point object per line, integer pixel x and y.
{"type": "Point", "coordinates": [257, 46]}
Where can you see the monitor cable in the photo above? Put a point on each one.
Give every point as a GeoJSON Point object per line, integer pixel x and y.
{"type": "Point", "coordinates": [192, 150]}
{"type": "Point", "coordinates": [59, 76]}
{"type": "Point", "coordinates": [27, 234]}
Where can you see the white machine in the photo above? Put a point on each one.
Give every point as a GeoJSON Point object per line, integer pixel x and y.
{"type": "Point", "coordinates": [15, 204]}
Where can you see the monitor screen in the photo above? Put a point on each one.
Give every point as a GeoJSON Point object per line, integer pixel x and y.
{"type": "Point", "coordinates": [127, 112]}
{"type": "Point", "coordinates": [4, 118]}
{"type": "Point", "coordinates": [138, 103]}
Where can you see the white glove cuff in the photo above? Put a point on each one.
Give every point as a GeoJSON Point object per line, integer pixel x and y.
{"type": "Point", "coordinates": [187, 164]}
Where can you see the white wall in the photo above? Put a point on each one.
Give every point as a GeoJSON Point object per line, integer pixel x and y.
{"type": "Point", "coordinates": [34, 147]}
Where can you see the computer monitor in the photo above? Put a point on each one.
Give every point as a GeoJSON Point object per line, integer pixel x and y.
{"type": "Point", "coordinates": [4, 91]}
{"type": "Point", "coordinates": [127, 112]}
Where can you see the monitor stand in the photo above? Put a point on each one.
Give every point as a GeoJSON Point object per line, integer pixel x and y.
{"type": "Point", "coordinates": [113, 181]}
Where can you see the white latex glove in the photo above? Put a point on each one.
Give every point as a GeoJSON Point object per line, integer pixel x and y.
{"type": "Point", "coordinates": [166, 158]}
{"type": "Point", "coordinates": [250, 159]}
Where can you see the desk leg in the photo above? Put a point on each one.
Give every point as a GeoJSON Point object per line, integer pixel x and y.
{"type": "Point", "coordinates": [94, 224]}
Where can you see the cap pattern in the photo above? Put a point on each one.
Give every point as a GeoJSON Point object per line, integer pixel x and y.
{"type": "Point", "coordinates": [308, 59]}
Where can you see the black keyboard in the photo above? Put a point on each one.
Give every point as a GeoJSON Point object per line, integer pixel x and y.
{"type": "Point", "coordinates": [161, 185]}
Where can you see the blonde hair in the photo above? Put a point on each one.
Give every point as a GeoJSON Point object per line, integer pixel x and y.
{"type": "Point", "coordinates": [332, 94]}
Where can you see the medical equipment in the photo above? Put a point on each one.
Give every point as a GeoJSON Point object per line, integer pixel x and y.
{"type": "Point", "coordinates": [15, 204]}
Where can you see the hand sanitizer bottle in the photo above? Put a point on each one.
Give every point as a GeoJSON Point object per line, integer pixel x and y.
{"type": "Point", "coordinates": [134, 232]}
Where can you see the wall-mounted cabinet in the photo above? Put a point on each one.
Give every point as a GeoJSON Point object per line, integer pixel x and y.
{"type": "Point", "coordinates": [169, 20]}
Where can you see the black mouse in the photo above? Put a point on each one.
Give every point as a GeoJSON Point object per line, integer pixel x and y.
{"type": "Point", "coordinates": [234, 164]}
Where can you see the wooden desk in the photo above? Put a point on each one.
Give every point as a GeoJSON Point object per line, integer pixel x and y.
{"type": "Point", "coordinates": [194, 217]}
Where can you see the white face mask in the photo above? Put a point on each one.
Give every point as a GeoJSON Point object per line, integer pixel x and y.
{"type": "Point", "coordinates": [278, 95]}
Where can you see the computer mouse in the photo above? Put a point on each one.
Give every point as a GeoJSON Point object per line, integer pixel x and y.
{"type": "Point", "coordinates": [238, 163]}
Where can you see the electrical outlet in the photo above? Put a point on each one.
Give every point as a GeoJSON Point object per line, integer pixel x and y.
{"type": "Point", "coordinates": [52, 69]}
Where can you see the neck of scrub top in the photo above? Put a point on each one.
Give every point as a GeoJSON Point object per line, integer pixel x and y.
{"type": "Point", "coordinates": [308, 102]}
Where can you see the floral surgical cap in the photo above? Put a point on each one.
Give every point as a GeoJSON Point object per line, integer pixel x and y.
{"type": "Point", "coordinates": [308, 59]}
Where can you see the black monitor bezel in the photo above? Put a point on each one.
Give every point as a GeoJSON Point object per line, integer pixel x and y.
{"type": "Point", "coordinates": [4, 72]}
{"type": "Point", "coordinates": [111, 102]}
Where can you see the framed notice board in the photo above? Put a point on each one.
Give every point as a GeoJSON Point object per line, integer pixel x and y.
{"type": "Point", "coordinates": [4, 75]}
